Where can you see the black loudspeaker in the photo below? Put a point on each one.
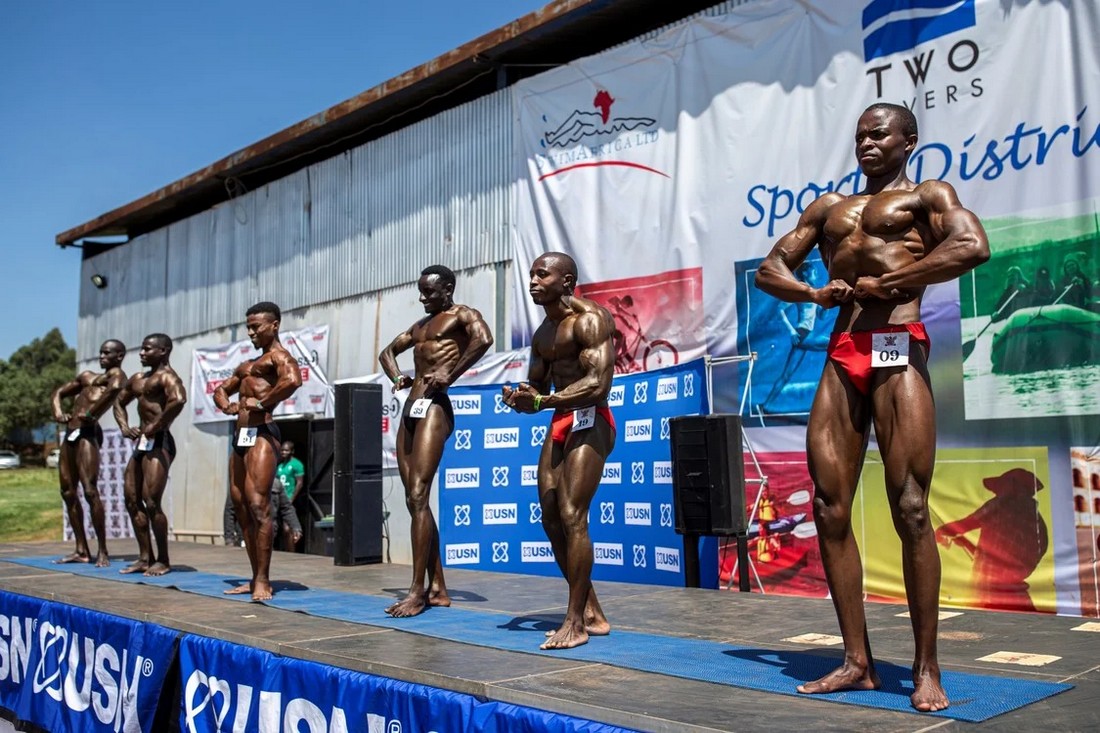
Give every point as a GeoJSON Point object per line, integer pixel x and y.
{"type": "Point", "coordinates": [357, 475]}
{"type": "Point", "coordinates": [708, 474]}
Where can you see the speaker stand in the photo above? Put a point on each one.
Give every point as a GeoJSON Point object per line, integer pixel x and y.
{"type": "Point", "coordinates": [744, 565]}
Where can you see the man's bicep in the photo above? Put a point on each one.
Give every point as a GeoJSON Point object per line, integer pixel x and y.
{"type": "Point", "coordinates": [476, 327]}
{"type": "Point", "coordinates": [593, 335]}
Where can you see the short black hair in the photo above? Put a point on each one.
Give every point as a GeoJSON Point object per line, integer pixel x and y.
{"type": "Point", "coordinates": [443, 273]}
{"type": "Point", "coordinates": [903, 113]}
{"type": "Point", "coordinates": [568, 265]}
{"type": "Point", "coordinates": [265, 306]}
{"type": "Point", "coordinates": [163, 339]}
{"type": "Point", "coordinates": [121, 346]}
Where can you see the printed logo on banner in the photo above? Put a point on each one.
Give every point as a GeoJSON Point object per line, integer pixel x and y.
{"type": "Point", "coordinates": [639, 431]}
{"type": "Point", "coordinates": [465, 553]}
{"type": "Point", "coordinates": [500, 552]}
{"type": "Point", "coordinates": [616, 396]}
{"type": "Point", "coordinates": [641, 392]}
{"type": "Point", "coordinates": [665, 430]}
{"type": "Point", "coordinates": [612, 473]}
{"type": "Point", "coordinates": [536, 552]}
{"type": "Point", "coordinates": [529, 475]}
{"type": "Point", "coordinates": [607, 512]}
{"type": "Point", "coordinates": [538, 435]}
{"type": "Point", "coordinates": [499, 406]}
{"type": "Point", "coordinates": [890, 27]}
{"type": "Point", "coordinates": [639, 556]}
{"type": "Point", "coordinates": [462, 439]}
{"type": "Point", "coordinates": [500, 475]}
{"type": "Point", "coordinates": [637, 472]}
{"type": "Point", "coordinates": [536, 513]}
{"type": "Point", "coordinates": [462, 515]}
{"type": "Point", "coordinates": [638, 513]}
{"type": "Point", "coordinates": [689, 384]}
{"type": "Point", "coordinates": [666, 515]}
{"type": "Point", "coordinates": [501, 438]}
{"type": "Point", "coordinates": [668, 388]}
{"type": "Point", "coordinates": [607, 553]}
{"type": "Point", "coordinates": [610, 133]}
{"type": "Point", "coordinates": [467, 404]}
{"type": "Point", "coordinates": [499, 514]}
{"type": "Point", "coordinates": [462, 478]}
{"type": "Point", "coordinates": [662, 472]}
{"type": "Point", "coordinates": [667, 559]}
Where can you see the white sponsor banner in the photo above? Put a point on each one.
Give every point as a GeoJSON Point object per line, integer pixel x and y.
{"type": "Point", "coordinates": [700, 147]}
{"type": "Point", "coordinates": [497, 368]}
{"type": "Point", "coordinates": [308, 346]}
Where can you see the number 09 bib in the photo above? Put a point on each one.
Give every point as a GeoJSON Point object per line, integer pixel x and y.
{"type": "Point", "coordinates": [889, 349]}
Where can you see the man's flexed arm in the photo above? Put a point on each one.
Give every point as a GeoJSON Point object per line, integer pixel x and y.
{"type": "Point", "coordinates": [388, 360]}
{"type": "Point", "coordinates": [125, 397]}
{"type": "Point", "coordinates": [69, 389]}
{"type": "Point", "coordinates": [176, 398]}
{"type": "Point", "coordinates": [521, 398]}
{"type": "Point", "coordinates": [116, 379]}
{"type": "Point", "coordinates": [959, 245]}
{"type": "Point", "coordinates": [229, 387]}
{"type": "Point", "coordinates": [592, 333]}
{"type": "Point", "coordinates": [775, 275]}
{"type": "Point", "coordinates": [479, 339]}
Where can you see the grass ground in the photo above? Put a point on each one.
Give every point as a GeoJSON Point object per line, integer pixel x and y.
{"type": "Point", "coordinates": [30, 505]}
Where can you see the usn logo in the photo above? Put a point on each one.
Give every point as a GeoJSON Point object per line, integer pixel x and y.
{"type": "Point", "coordinates": [462, 478]}
{"type": "Point", "coordinates": [499, 406]}
{"type": "Point", "coordinates": [666, 515]}
{"type": "Point", "coordinates": [616, 396]}
{"type": "Point", "coordinates": [662, 472]}
{"type": "Point", "coordinates": [641, 393]}
{"type": "Point", "coordinates": [500, 552]}
{"type": "Point", "coordinates": [666, 558]}
{"type": "Point", "coordinates": [637, 472]}
{"type": "Point", "coordinates": [612, 474]}
{"type": "Point", "coordinates": [665, 430]}
{"type": "Point", "coordinates": [536, 552]}
{"type": "Point", "coordinates": [638, 513]}
{"type": "Point", "coordinates": [890, 26]}
{"type": "Point", "coordinates": [462, 439]}
{"type": "Point", "coordinates": [538, 435]}
{"type": "Point", "coordinates": [462, 515]}
{"type": "Point", "coordinates": [499, 514]}
{"type": "Point", "coordinates": [501, 438]}
{"type": "Point", "coordinates": [607, 512]}
{"type": "Point", "coordinates": [467, 404]}
{"type": "Point", "coordinates": [639, 431]}
{"type": "Point", "coordinates": [466, 553]}
{"type": "Point", "coordinates": [639, 556]}
{"type": "Point", "coordinates": [689, 385]}
{"type": "Point", "coordinates": [536, 513]}
{"type": "Point", "coordinates": [668, 388]}
{"type": "Point", "coordinates": [500, 475]}
{"type": "Point", "coordinates": [529, 475]}
{"type": "Point", "coordinates": [607, 553]}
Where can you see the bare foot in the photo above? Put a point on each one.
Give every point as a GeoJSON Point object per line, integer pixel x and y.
{"type": "Point", "coordinates": [594, 624]}
{"type": "Point", "coordinates": [138, 566]}
{"type": "Point", "coordinates": [439, 598]}
{"type": "Point", "coordinates": [75, 557]}
{"type": "Point", "coordinates": [158, 568]}
{"type": "Point", "coordinates": [566, 637]}
{"type": "Point", "coordinates": [263, 591]}
{"type": "Point", "coordinates": [928, 695]}
{"type": "Point", "coordinates": [240, 590]}
{"type": "Point", "coordinates": [847, 677]}
{"type": "Point", "coordinates": [102, 561]}
{"type": "Point", "coordinates": [411, 605]}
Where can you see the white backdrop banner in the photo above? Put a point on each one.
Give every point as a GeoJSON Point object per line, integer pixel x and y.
{"type": "Point", "coordinates": [213, 366]}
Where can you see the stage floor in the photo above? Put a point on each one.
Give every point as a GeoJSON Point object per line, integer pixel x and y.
{"type": "Point", "coordinates": [624, 697]}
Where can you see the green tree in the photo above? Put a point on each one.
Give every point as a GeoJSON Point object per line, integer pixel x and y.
{"type": "Point", "coordinates": [28, 379]}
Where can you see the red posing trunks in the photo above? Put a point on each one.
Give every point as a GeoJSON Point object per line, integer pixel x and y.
{"type": "Point", "coordinates": [851, 351]}
{"type": "Point", "coordinates": [562, 422]}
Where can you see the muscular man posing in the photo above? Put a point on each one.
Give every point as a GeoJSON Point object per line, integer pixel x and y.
{"type": "Point", "coordinates": [445, 343]}
{"type": "Point", "coordinates": [263, 383]}
{"type": "Point", "coordinates": [161, 397]}
{"type": "Point", "coordinates": [573, 352]}
{"type": "Point", "coordinates": [79, 461]}
{"type": "Point", "coordinates": [882, 247]}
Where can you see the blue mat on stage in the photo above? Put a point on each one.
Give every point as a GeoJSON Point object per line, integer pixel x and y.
{"type": "Point", "coordinates": [974, 697]}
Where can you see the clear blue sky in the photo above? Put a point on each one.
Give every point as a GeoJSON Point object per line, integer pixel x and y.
{"type": "Point", "coordinates": [104, 102]}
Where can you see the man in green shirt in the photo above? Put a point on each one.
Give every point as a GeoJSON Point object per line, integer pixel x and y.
{"type": "Point", "coordinates": [291, 474]}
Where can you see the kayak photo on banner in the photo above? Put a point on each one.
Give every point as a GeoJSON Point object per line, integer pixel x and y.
{"type": "Point", "coordinates": [1031, 318]}
{"type": "Point", "coordinates": [790, 340]}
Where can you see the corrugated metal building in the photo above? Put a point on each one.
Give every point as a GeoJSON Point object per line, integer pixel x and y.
{"type": "Point", "coordinates": [334, 218]}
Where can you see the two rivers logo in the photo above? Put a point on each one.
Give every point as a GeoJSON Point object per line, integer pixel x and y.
{"type": "Point", "coordinates": [890, 26]}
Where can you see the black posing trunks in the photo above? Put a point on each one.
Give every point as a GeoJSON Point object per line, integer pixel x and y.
{"type": "Point", "coordinates": [86, 433]}
{"type": "Point", "coordinates": [161, 439]}
{"type": "Point", "coordinates": [266, 431]}
{"type": "Point", "coordinates": [439, 398]}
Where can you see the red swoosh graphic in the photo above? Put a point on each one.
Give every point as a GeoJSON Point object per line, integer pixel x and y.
{"type": "Point", "coordinates": [606, 162]}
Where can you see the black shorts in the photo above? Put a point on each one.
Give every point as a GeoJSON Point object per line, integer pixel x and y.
{"type": "Point", "coordinates": [266, 431]}
{"type": "Point", "coordinates": [439, 398]}
{"type": "Point", "coordinates": [162, 439]}
{"type": "Point", "coordinates": [86, 433]}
